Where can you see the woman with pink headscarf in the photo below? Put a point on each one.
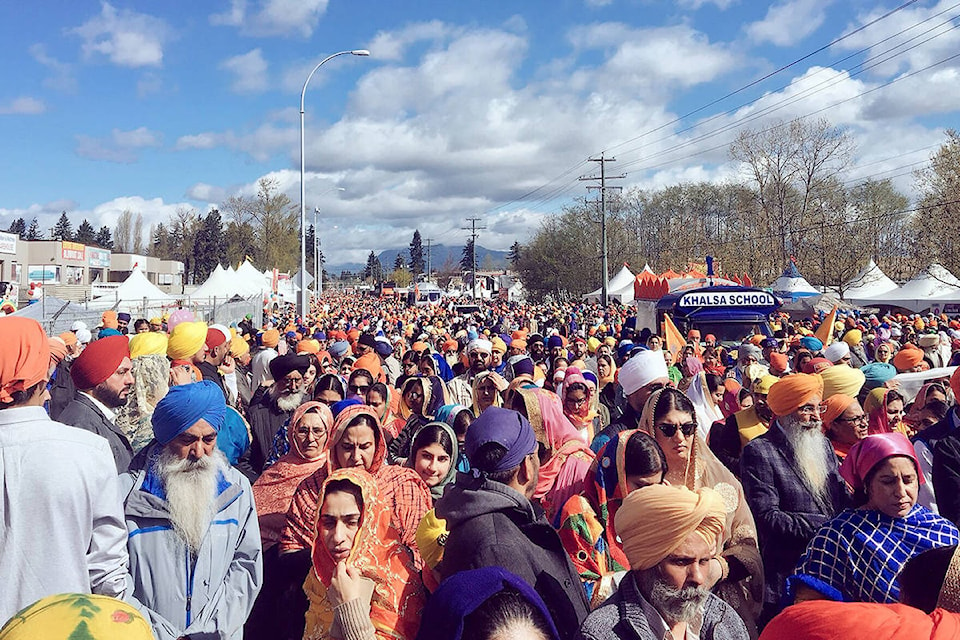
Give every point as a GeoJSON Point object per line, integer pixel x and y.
{"type": "Point", "coordinates": [564, 456]}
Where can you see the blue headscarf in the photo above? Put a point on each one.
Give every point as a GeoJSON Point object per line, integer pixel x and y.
{"type": "Point", "coordinates": [463, 593]}
{"type": "Point", "coordinates": [184, 405]}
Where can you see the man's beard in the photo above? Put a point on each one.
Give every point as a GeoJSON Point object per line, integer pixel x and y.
{"type": "Point", "coordinates": [109, 397]}
{"type": "Point", "coordinates": [289, 401]}
{"type": "Point", "coordinates": [806, 439]}
{"type": "Point", "coordinates": [675, 605]}
{"type": "Point", "coordinates": [191, 487]}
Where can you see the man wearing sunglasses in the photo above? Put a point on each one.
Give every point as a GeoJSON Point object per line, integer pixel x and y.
{"type": "Point", "coordinates": [644, 373]}
{"type": "Point", "coordinates": [791, 480]}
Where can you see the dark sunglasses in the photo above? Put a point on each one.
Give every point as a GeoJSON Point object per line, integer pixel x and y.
{"type": "Point", "coordinates": [669, 430]}
{"type": "Point", "coordinates": [356, 388]}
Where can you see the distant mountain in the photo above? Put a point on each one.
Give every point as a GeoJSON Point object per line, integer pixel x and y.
{"type": "Point", "coordinates": [439, 255]}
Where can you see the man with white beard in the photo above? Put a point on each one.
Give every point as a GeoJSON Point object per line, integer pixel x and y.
{"type": "Point", "coordinates": [271, 409]}
{"type": "Point", "coordinates": [670, 537]}
{"type": "Point", "coordinates": [791, 480]}
{"type": "Point", "coordinates": [193, 534]}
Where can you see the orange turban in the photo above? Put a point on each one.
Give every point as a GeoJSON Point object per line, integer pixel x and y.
{"type": "Point", "coordinates": [451, 345]}
{"type": "Point", "coordinates": [518, 343]}
{"type": "Point", "coordinates": [370, 362]}
{"type": "Point", "coordinates": [58, 349]}
{"type": "Point", "coordinates": [827, 619]}
{"type": "Point", "coordinates": [69, 338]}
{"type": "Point", "coordinates": [654, 520]}
{"type": "Point", "coordinates": [270, 338]}
{"type": "Point", "coordinates": [308, 346]}
{"type": "Point", "coordinates": [109, 319]}
{"type": "Point", "coordinates": [24, 355]}
{"type": "Point", "coordinates": [793, 392]}
{"type": "Point", "coordinates": [908, 357]}
{"type": "Point", "coordinates": [836, 405]}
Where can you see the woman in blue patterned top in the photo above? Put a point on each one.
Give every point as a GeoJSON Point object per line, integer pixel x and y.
{"type": "Point", "coordinates": [857, 556]}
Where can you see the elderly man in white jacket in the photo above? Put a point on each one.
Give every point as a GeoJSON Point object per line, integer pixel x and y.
{"type": "Point", "coordinates": [194, 539]}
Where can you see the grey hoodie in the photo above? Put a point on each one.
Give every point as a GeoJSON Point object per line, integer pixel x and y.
{"type": "Point", "coordinates": [491, 524]}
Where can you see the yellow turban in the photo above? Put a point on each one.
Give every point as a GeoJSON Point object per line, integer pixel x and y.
{"type": "Point", "coordinates": [875, 398]}
{"type": "Point", "coordinates": [271, 338]}
{"type": "Point", "coordinates": [762, 386]}
{"type": "Point", "coordinates": [76, 615]}
{"type": "Point", "coordinates": [654, 520]}
{"type": "Point", "coordinates": [431, 538]}
{"type": "Point", "coordinates": [842, 379]}
{"type": "Point", "coordinates": [592, 344]}
{"type": "Point", "coordinates": [794, 391]}
{"type": "Point", "coordinates": [308, 346]}
{"type": "Point", "coordinates": [148, 344]}
{"type": "Point", "coordinates": [853, 337]}
{"type": "Point", "coordinates": [239, 347]}
{"type": "Point", "coordinates": [186, 340]}
{"type": "Point", "coordinates": [497, 344]}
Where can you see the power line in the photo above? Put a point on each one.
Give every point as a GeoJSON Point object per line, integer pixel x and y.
{"type": "Point", "coordinates": [473, 249]}
{"type": "Point", "coordinates": [603, 216]}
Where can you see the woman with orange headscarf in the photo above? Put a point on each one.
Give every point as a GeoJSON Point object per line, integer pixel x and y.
{"type": "Point", "coordinates": [363, 583]}
{"type": "Point", "coordinates": [564, 456]}
{"type": "Point", "coordinates": [273, 492]}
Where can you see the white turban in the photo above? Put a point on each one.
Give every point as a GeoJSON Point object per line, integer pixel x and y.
{"type": "Point", "coordinates": [836, 351]}
{"type": "Point", "coordinates": [479, 344]}
{"type": "Point", "coordinates": [642, 369]}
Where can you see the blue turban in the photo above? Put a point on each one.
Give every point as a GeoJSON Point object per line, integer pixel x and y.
{"type": "Point", "coordinates": [877, 373]}
{"type": "Point", "coordinates": [340, 405]}
{"type": "Point", "coordinates": [811, 343]}
{"type": "Point", "coordinates": [184, 405]}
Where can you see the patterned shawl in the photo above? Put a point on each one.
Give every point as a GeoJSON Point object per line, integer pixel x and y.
{"type": "Point", "coordinates": [399, 595]}
{"type": "Point", "coordinates": [273, 491]}
{"type": "Point", "coordinates": [857, 556]}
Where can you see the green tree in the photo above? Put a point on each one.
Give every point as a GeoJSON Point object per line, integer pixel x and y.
{"type": "Point", "coordinates": [417, 263]}
{"type": "Point", "coordinates": [398, 262]}
{"type": "Point", "coordinates": [19, 227]}
{"type": "Point", "coordinates": [160, 241]}
{"type": "Point", "coordinates": [104, 239]}
{"type": "Point", "coordinates": [63, 229]}
{"type": "Point", "coordinates": [514, 256]}
{"type": "Point", "coordinates": [373, 269]}
{"type": "Point", "coordinates": [209, 246]}
{"type": "Point", "coordinates": [467, 257]}
{"type": "Point", "coordinates": [86, 234]}
{"type": "Point", "coordinates": [33, 231]}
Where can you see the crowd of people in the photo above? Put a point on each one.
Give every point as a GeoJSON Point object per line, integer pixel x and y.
{"type": "Point", "coordinates": [378, 470]}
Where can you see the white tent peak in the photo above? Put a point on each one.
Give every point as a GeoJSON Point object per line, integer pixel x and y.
{"type": "Point", "coordinates": [869, 281]}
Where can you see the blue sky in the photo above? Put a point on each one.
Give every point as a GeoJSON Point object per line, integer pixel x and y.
{"type": "Point", "coordinates": [461, 109]}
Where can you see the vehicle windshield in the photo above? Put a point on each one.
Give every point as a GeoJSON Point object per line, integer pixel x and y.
{"type": "Point", "coordinates": [731, 333]}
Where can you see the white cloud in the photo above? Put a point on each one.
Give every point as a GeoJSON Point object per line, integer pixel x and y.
{"type": "Point", "coordinates": [272, 17]}
{"type": "Point", "coordinates": [393, 45]}
{"type": "Point", "coordinates": [119, 146]}
{"type": "Point", "coordinates": [250, 70]}
{"type": "Point", "coordinates": [693, 5]}
{"type": "Point", "coordinates": [597, 4]}
{"type": "Point", "coordinates": [261, 143]}
{"type": "Point", "coordinates": [148, 84]}
{"type": "Point", "coordinates": [126, 38]}
{"type": "Point", "coordinates": [789, 22]}
{"type": "Point", "coordinates": [23, 106]}
{"type": "Point", "coordinates": [207, 193]}
{"type": "Point", "coordinates": [61, 78]}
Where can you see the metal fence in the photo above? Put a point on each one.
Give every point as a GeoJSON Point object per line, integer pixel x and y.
{"type": "Point", "coordinates": [57, 316]}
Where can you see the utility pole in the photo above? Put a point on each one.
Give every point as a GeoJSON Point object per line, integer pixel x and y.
{"type": "Point", "coordinates": [429, 242]}
{"type": "Point", "coordinates": [473, 236]}
{"type": "Point", "coordinates": [603, 177]}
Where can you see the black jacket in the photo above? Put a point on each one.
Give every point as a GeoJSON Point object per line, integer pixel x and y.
{"type": "Point", "coordinates": [493, 525]}
{"type": "Point", "coordinates": [629, 419]}
{"type": "Point", "coordinates": [82, 413]}
{"type": "Point", "coordinates": [946, 476]}
{"type": "Point", "coordinates": [265, 420]}
{"type": "Point", "coordinates": [62, 389]}
{"type": "Point", "coordinates": [212, 373]}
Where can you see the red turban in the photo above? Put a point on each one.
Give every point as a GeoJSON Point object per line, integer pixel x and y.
{"type": "Point", "coordinates": [24, 355]}
{"type": "Point", "coordinates": [99, 361]}
{"type": "Point", "coordinates": [794, 391]}
{"type": "Point", "coordinates": [908, 357]}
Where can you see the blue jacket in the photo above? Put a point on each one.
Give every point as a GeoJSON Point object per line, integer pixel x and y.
{"type": "Point", "coordinates": [207, 597]}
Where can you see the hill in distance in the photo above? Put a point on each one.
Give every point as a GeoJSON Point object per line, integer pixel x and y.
{"type": "Point", "coordinates": [439, 255]}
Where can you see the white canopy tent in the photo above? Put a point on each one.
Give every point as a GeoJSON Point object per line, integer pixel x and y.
{"type": "Point", "coordinates": [136, 293]}
{"type": "Point", "coordinates": [935, 284]}
{"type": "Point", "coordinates": [619, 287]}
{"type": "Point", "coordinates": [221, 284]}
{"type": "Point", "coordinates": [868, 283]}
{"type": "Point", "coordinates": [791, 285]}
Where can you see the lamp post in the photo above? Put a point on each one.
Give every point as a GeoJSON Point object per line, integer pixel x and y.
{"type": "Point", "coordinates": [317, 273]}
{"type": "Point", "coordinates": [304, 307]}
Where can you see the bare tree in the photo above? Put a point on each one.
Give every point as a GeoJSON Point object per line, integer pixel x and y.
{"type": "Point", "coordinates": [123, 232]}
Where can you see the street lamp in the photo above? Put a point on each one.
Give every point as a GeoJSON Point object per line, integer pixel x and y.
{"type": "Point", "coordinates": [317, 273]}
{"type": "Point", "coordinates": [304, 307]}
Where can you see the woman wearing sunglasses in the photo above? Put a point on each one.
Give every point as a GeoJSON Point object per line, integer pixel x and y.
{"type": "Point", "coordinates": [736, 572]}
